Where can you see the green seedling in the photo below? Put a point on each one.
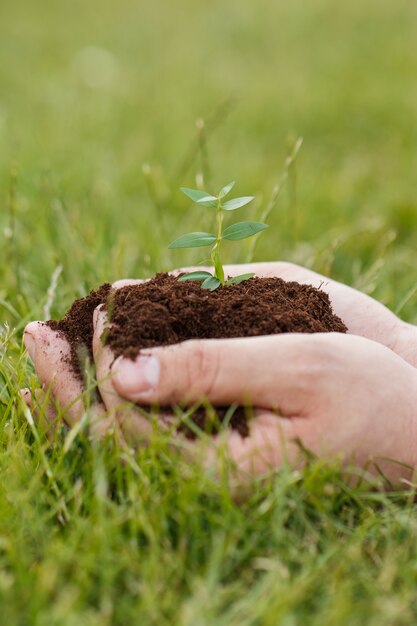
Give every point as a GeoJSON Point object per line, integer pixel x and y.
{"type": "Point", "coordinates": [234, 232]}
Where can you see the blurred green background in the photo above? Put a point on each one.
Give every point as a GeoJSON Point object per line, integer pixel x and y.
{"type": "Point", "coordinates": [90, 91]}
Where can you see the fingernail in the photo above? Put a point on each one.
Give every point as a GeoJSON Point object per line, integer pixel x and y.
{"type": "Point", "coordinates": [30, 344]}
{"type": "Point", "coordinates": [26, 396]}
{"type": "Point", "coordinates": [137, 378]}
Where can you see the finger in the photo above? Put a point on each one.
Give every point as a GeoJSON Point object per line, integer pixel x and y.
{"type": "Point", "coordinates": [51, 356]}
{"type": "Point", "coordinates": [44, 411]}
{"type": "Point", "coordinates": [272, 442]}
{"type": "Point", "coordinates": [63, 396]}
{"type": "Point", "coordinates": [26, 396]}
{"type": "Point", "coordinates": [127, 282]}
{"type": "Point", "coordinates": [277, 371]}
{"type": "Point", "coordinates": [118, 410]}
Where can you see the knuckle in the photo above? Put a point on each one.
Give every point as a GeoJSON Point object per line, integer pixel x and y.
{"type": "Point", "coordinates": [202, 367]}
{"type": "Point", "coordinates": [319, 361]}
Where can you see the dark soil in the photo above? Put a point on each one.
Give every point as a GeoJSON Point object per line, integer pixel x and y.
{"type": "Point", "coordinates": [163, 311]}
{"type": "Point", "coordinates": [77, 327]}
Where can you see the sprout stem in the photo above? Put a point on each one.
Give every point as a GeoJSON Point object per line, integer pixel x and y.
{"type": "Point", "coordinates": [215, 254]}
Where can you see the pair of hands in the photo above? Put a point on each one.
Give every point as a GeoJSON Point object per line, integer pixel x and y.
{"type": "Point", "coordinates": [350, 395]}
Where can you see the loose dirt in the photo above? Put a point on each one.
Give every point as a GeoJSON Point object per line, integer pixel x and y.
{"type": "Point", "coordinates": [163, 311]}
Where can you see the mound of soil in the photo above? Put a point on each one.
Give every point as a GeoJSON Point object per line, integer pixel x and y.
{"type": "Point", "coordinates": [163, 311]}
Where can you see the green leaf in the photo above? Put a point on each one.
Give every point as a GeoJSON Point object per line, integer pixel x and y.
{"type": "Point", "coordinates": [195, 276]}
{"type": "Point", "coordinates": [239, 279]}
{"type": "Point", "coordinates": [211, 283]}
{"type": "Point", "coordinates": [194, 194]}
{"type": "Point", "coordinates": [241, 230]}
{"type": "Point", "coordinates": [226, 189]}
{"type": "Point", "coordinates": [193, 240]}
{"type": "Point", "coordinates": [209, 201]}
{"type": "Point", "coordinates": [236, 203]}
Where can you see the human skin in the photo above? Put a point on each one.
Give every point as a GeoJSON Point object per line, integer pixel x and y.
{"type": "Point", "coordinates": [350, 396]}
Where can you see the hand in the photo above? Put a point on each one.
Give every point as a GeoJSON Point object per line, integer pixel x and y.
{"type": "Point", "coordinates": [363, 316]}
{"type": "Point", "coordinates": [338, 395]}
{"type": "Point", "coordinates": [63, 396]}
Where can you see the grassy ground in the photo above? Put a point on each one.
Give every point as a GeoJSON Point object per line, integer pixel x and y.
{"type": "Point", "coordinates": [89, 92]}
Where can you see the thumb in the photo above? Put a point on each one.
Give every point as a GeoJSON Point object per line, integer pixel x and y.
{"type": "Point", "coordinates": [270, 372]}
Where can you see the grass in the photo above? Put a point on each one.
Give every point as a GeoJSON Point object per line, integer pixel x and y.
{"type": "Point", "coordinates": [89, 93]}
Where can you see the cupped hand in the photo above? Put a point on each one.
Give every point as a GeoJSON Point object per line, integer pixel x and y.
{"type": "Point", "coordinates": [363, 316]}
{"type": "Point", "coordinates": [62, 396]}
{"type": "Point", "coordinates": [337, 395]}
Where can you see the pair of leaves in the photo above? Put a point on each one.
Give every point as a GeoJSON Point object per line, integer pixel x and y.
{"type": "Point", "coordinates": [197, 196]}
{"type": "Point", "coordinates": [235, 232]}
{"type": "Point", "coordinates": [205, 199]}
{"type": "Point", "coordinates": [210, 282]}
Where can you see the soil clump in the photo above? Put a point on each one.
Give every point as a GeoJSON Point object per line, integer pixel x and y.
{"type": "Point", "coordinates": [163, 311]}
